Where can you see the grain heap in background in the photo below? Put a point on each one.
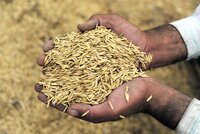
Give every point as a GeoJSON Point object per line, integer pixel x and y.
{"type": "Point", "coordinates": [25, 24]}
{"type": "Point", "coordinates": [86, 67]}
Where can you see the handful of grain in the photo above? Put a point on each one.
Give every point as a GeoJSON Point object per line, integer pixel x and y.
{"type": "Point", "coordinates": [87, 67]}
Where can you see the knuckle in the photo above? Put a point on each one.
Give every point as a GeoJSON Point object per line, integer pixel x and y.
{"type": "Point", "coordinates": [114, 16]}
{"type": "Point", "coordinates": [107, 20]}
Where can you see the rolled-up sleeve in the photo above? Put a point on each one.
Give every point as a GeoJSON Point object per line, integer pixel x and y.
{"type": "Point", "coordinates": [189, 28]}
{"type": "Point", "coordinates": [190, 121]}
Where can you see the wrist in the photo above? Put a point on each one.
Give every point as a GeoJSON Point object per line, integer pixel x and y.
{"type": "Point", "coordinates": [166, 45]}
{"type": "Point", "coordinates": [167, 104]}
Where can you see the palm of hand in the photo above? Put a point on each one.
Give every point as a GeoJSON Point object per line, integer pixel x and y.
{"type": "Point", "coordinates": [103, 112]}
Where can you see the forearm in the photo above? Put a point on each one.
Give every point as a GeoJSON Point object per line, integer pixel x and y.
{"type": "Point", "coordinates": [166, 45]}
{"type": "Point", "coordinates": [168, 105]}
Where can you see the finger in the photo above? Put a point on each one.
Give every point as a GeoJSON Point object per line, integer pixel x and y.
{"type": "Point", "coordinates": [95, 114]}
{"type": "Point", "coordinates": [104, 112]}
{"type": "Point", "coordinates": [42, 97]}
{"type": "Point", "coordinates": [48, 46]}
{"type": "Point", "coordinates": [111, 21]}
{"type": "Point", "coordinates": [88, 25]}
{"type": "Point", "coordinates": [40, 60]}
{"type": "Point", "coordinates": [98, 19]}
{"type": "Point", "coordinates": [38, 87]}
{"type": "Point", "coordinates": [77, 110]}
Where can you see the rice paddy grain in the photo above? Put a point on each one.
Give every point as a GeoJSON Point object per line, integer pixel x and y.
{"type": "Point", "coordinates": [126, 94]}
{"type": "Point", "coordinates": [110, 104]}
{"type": "Point", "coordinates": [84, 114]}
{"type": "Point", "coordinates": [149, 98]}
{"type": "Point", "coordinates": [87, 67]}
{"type": "Point", "coordinates": [121, 116]}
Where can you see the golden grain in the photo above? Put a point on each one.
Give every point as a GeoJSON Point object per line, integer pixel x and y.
{"type": "Point", "coordinates": [121, 116]}
{"type": "Point", "coordinates": [84, 114]}
{"type": "Point", "coordinates": [110, 104]}
{"type": "Point", "coordinates": [149, 98]}
{"type": "Point", "coordinates": [65, 109]}
{"type": "Point", "coordinates": [126, 94]}
{"type": "Point", "coordinates": [87, 67]}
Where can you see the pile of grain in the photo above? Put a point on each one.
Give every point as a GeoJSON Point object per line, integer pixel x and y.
{"type": "Point", "coordinates": [24, 27]}
{"type": "Point", "coordinates": [86, 67]}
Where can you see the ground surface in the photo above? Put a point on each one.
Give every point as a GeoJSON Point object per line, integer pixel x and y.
{"type": "Point", "coordinates": [26, 24]}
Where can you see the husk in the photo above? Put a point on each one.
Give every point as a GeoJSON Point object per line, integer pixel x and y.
{"type": "Point", "coordinates": [87, 67]}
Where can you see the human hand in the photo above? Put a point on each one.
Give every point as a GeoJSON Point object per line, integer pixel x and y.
{"type": "Point", "coordinates": [164, 42]}
{"type": "Point", "coordinates": [103, 112]}
{"type": "Point", "coordinates": [164, 103]}
{"type": "Point", "coordinates": [118, 25]}
{"type": "Point", "coordinates": [140, 94]}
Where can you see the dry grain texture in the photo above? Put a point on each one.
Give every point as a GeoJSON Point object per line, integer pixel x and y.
{"type": "Point", "coordinates": [87, 67]}
{"type": "Point", "coordinates": [26, 24]}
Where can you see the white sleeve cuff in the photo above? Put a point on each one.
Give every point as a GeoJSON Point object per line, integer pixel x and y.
{"type": "Point", "coordinates": [189, 29]}
{"type": "Point", "coordinates": [190, 121]}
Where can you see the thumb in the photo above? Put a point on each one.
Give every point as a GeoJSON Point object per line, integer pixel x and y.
{"type": "Point", "coordinates": [97, 19]}
{"type": "Point", "coordinates": [88, 25]}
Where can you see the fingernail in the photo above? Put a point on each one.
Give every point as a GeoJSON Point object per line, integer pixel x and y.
{"type": "Point", "coordinates": [47, 47]}
{"type": "Point", "coordinates": [73, 112]}
{"type": "Point", "coordinates": [38, 87]}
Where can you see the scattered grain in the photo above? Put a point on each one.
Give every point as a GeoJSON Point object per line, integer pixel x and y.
{"type": "Point", "coordinates": [84, 114]}
{"type": "Point", "coordinates": [121, 116]}
{"type": "Point", "coordinates": [145, 75]}
{"type": "Point", "coordinates": [110, 104]}
{"type": "Point", "coordinates": [65, 109]}
{"type": "Point", "coordinates": [148, 99]}
{"type": "Point", "coordinates": [126, 94]}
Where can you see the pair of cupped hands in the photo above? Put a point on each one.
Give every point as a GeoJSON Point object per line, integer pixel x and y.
{"type": "Point", "coordinates": [139, 88]}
